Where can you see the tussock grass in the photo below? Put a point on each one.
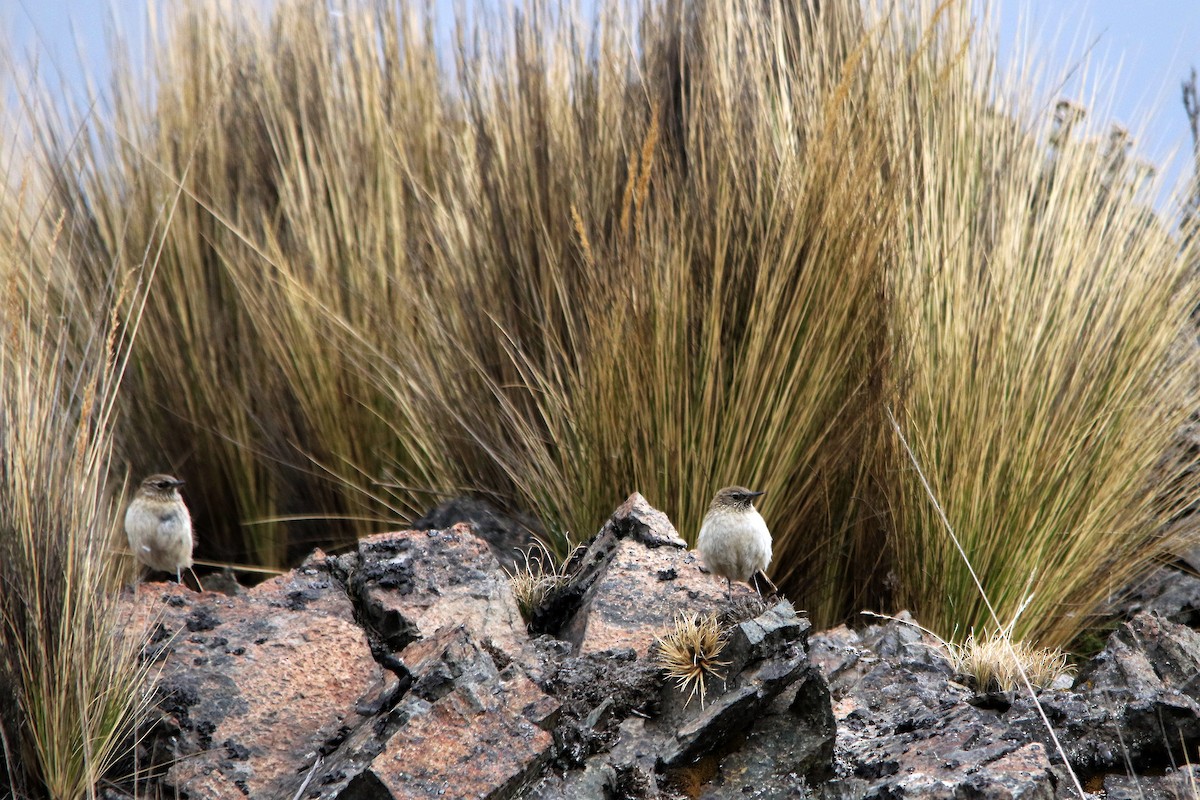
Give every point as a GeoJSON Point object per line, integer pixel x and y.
{"type": "Point", "coordinates": [71, 688]}
{"type": "Point", "coordinates": [990, 660]}
{"type": "Point", "coordinates": [1043, 361]}
{"type": "Point", "coordinates": [695, 244]}
{"type": "Point", "coordinates": [557, 275]}
{"type": "Point", "coordinates": [537, 579]}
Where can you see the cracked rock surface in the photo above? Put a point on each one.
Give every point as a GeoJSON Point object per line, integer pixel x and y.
{"type": "Point", "coordinates": [404, 670]}
{"type": "Point", "coordinates": [908, 728]}
{"type": "Point", "coordinates": [254, 688]}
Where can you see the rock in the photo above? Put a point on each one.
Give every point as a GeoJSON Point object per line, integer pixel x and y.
{"type": "Point", "coordinates": [598, 691]}
{"type": "Point", "coordinates": [1169, 592]}
{"type": "Point", "coordinates": [278, 692]}
{"type": "Point", "coordinates": [224, 581]}
{"type": "Point", "coordinates": [906, 728]}
{"type": "Point", "coordinates": [766, 656]}
{"type": "Point", "coordinates": [613, 605]}
{"type": "Point", "coordinates": [467, 728]}
{"type": "Point", "coordinates": [411, 584]}
{"type": "Point", "coordinates": [788, 750]}
{"type": "Point", "coordinates": [1173, 785]}
{"type": "Point", "coordinates": [636, 735]}
{"type": "Point", "coordinates": [255, 687]}
{"type": "Point", "coordinates": [506, 535]}
{"type": "Point", "coordinates": [1134, 703]}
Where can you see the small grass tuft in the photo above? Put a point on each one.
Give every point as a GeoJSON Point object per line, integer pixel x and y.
{"type": "Point", "coordinates": [690, 654]}
{"type": "Point", "coordinates": [990, 662]}
{"type": "Point", "coordinates": [993, 661]}
{"type": "Point", "coordinates": [537, 580]}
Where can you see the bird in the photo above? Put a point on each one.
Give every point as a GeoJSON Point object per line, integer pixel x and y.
{"type": "Point", "coordinates": [734, 539]}
{"type": "Point", "coordinates": [159, 526]}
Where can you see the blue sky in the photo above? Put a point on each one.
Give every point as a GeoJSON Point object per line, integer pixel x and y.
{"type": "Point", "coordinates": [1154, 43]}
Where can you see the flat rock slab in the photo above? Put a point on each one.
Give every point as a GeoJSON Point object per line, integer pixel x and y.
{"type": "Point", "coordinates": [260, 684]}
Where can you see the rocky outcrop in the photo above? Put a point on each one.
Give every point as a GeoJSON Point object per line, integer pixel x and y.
{"type": "Point", "coordinates": [907, 727]}
{"type": "Point", "coordinates": [254, 689]}
{"type": "Point", "coordinates": [404, 669]}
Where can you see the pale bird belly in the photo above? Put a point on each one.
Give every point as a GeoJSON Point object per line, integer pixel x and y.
{"type": "Point", "coordinates": [735, 548]}
{"type": "Point", "coordinates": [163, 544]}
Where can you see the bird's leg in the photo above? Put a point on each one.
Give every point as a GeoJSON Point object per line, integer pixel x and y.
{"type": "Point", "coordinates": [178, 576]}
{"type": "Point", "coordinates": [774, 588]}
{"type": "Point", "coordinates": [729, 590]}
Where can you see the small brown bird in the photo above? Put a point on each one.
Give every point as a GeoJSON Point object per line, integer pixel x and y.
{"type": "Point", "coordinates": [159, 526]}
{"type": "Point", "coordinates": [734, 540]}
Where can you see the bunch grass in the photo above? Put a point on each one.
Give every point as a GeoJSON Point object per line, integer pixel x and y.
{"type": "Point", "coordinates": [683, 245]}
{"type": "Point", "coordinates": [1043, 359]}
{"type": "Point", "coordinates": [72, 689]}
{"type": "Point", "coordinates": [537, 579]}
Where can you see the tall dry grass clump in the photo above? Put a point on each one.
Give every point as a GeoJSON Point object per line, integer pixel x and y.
{"type": "Point", "coordinates": [691, 244]}
{"type": "Point", "coordinates": [1044, 357]}
{"type": "Point", "coordinates": [555, 270]}
{"type": "Point", "coordinates": [702, 234]}
{"type": "Point", "coordinates": [242, 383]}
{"type": "Point", "coordinates": [70, 688]}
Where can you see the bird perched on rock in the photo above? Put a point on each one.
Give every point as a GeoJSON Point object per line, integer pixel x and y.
{"type": "Point", "coordinates": [159, 526]}
{"type": "Point", "coordinates": [734, 540]}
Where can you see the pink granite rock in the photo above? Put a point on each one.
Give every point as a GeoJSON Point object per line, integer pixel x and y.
{"type": "Point", "coordinates": [259, 684]}
{"type": "Point", "coordinates": [466, 728]}
{"type": "Point", "coordinates": [634, 577]}
{"type": "Point", "coordinates": [411, 584]}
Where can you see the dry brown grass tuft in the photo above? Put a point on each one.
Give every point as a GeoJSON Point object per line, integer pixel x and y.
{"type": "Point", "coordinates": [71, 688]}
{"type": "Point", "coordinates": [690, 654]}
{"type": "Point", "coordinates": [994, 662]}
{"type": "Point", "coordinates": [537, 580]}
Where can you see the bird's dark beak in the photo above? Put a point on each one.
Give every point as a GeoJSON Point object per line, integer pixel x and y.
{"type": "Point", "coordinates": [178, 483]}
{"type": "Point", "coordinates": [756, 494]}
